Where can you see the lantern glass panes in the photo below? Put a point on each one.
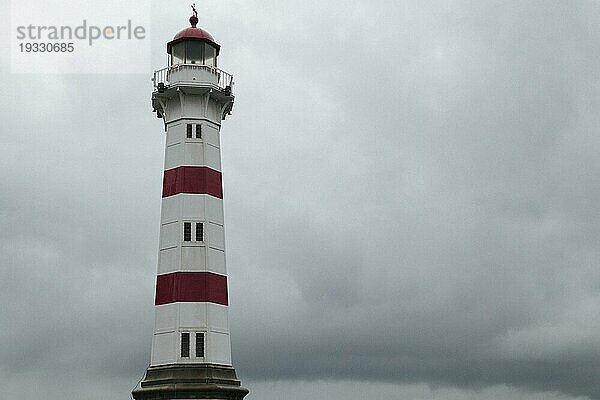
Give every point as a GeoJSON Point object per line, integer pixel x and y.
{"type": "Point", "coordinates": [194, 52]}
{"type": "Point", "coordinates": [178, 53]}
{"type": "Point", "coordinates": [210, 56]}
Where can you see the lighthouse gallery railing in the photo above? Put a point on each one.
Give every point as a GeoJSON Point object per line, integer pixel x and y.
{"type": "Point", "coordinates": [224, 79]}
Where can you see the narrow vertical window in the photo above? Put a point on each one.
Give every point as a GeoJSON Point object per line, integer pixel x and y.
{"type": "Point", "coordinates": [198, 131]}
{"type": "Point", "coordinates": [189, 131]}
{"type": "Point", "coordinates": [187, 231]}
{"type": "Point", "coordinates": [199, 344]}
{"type": "Point", "coordinates": [199, 232]}
{"type": "Point", "coordinates": [185, 344]}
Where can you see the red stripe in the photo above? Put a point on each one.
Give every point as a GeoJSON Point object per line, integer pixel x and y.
{"type": "Point", "coordinates": [196, 180]}
{"type": "Point", "coordinates": [191, 287]}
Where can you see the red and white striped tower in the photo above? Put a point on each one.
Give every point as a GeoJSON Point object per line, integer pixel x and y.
{"type": "Point", "coordinates": [191, 351]}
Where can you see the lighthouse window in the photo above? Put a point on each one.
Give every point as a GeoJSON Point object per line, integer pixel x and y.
{"type": "Point", "coordinates": [178, 53]}
{"type": "Point", "coordinates": [185, 344]}
{"type": "Point", "coordinates": [194, 52]}
{"type": "Point", "coordinates": [199, 232]}
{"type": "Point", "coordinates": [198, 131]}
{"type": "Point", "coordinates": [187, 231]}
{"type": "Point", "coordinates": [189, 131]}
{"type": "Point", "coordinates": [210, 57]}
{"type": "Point", "coordinates": [199, 344]}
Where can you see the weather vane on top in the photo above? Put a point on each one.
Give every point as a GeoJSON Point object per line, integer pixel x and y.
{"type": "Point", "coordinates": [194, 18]}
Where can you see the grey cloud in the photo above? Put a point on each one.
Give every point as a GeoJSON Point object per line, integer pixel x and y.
{"type": "Point", "coordinates": [410, 197]}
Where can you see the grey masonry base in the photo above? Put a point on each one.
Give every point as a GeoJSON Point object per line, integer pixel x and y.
{"type": "Point", "coordinates": [190, 381]}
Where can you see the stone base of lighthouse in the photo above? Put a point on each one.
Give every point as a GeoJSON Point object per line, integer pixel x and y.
{"type": "Point", "coordinates": [201, 381]}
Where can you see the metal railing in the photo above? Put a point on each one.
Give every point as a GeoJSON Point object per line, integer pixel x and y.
{"type": "Point", "coordinates": [224, 79]}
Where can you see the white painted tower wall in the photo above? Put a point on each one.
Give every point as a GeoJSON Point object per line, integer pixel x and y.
{"type": "Point", "coordinates": [175, 255]}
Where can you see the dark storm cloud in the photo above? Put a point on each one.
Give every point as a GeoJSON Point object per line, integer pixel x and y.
{"type": "Point", "coordinates": [410, 196]}
{"type": "Point", "coordinates": [73, 238]}
{"type": "Point", "coordinates": [432, 201]}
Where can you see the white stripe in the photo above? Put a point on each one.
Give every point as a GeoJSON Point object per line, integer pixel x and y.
{"type": "Point", "coordinates": [185, 206]}
{"type": "Point", "coordinates": [172, 319]}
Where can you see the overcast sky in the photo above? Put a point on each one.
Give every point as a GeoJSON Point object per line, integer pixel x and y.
{"type": "Point", "coordinates": [411, 205]}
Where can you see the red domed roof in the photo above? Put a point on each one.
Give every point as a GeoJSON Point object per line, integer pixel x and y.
{"type": "Point", "coordinates": [193, 33]}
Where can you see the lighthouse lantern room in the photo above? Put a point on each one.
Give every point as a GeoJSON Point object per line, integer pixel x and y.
{"type": "Point", "coordinates": [191, 351]}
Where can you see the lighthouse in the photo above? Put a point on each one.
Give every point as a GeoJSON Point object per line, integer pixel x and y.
{"type": "Point", "coordinates": [191, 350]}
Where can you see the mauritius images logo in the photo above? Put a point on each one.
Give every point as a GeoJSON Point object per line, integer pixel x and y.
{"type": "Point", "coordinates": [57, 36]}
